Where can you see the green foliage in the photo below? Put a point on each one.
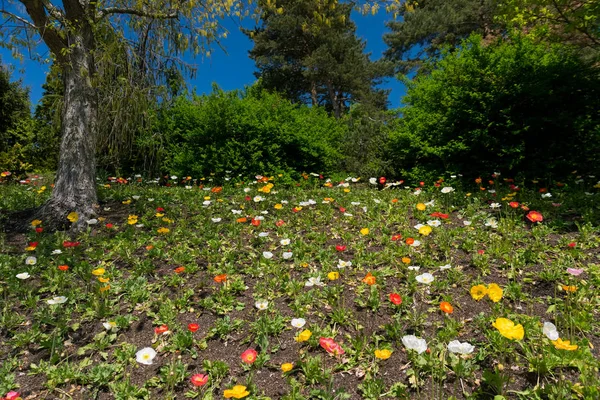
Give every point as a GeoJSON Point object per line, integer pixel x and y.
{"type": "Point", "coordinates": [249, 133]}
{"type": "Point", "coordinates": [365, 146]}
{"type": "Point", "coordinates": [514, 106]}
{"type": "Point", "coordinates": [16, 128]}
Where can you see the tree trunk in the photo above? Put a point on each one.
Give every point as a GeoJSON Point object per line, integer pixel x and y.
{"type": "Point", "coordinates": [313, 93]}
{"type": "Point", "coordinates": [334, 100]}
{"type": "Point", "coordinates": [75, 184]}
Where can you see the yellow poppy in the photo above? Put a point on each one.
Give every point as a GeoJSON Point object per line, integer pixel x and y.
{"type": "Point", "coordinates": [163, 230]}
{"type": "Point", "coordinates": [332, 276]}
{"type": "Point", "coordinates": [303, 336]}
{"type": "Point", "coordinates": [287, 367]}
{"type": "Point", "coordinates": [508, 329]}
{"type": "Point", "coordinates": [278, 206]}
{"type": "Point", "coordinates": [494, 292]}
{"type": "Point", "coordinates": [73, 217]}
{"type": "Point", "coordinates": [425, 230]}
{"type": "Point", "coordinates": [364, 231]}
{"type": "Point", "coordinates": [383, 354]}
{"type": "Point", "coordinates": [478, 292]}
{"type": "Point", "coordinates": [421, 207]}
{"type": "Point", "coordinates": [36, 222]}
{"type": "Point", "coordinates": [237, 392]}
{"type": "Point", "coordinates": [564, 345]}
{"type": "Point", "coordinates": [98, 271]}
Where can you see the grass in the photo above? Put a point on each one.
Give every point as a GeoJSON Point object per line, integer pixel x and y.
{"type": "Point", "coordinates": [242, 267]}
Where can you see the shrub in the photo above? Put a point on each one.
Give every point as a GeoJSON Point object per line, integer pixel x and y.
{"type": "Point", "coordinates": [512, 106]}
{"type": "Point", "coordinates": [250, 132]}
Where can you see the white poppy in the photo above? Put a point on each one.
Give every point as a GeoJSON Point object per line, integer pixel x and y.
{"type": "Point", "coordinates": [145, 355]}
{"type": "Point", "coordinates": [447, 189]}
{"type": "Point", "coordinates": [377, 201]}
{"type": "Point", "coordinates": [285, 242]}
{"type": "Point", "coordinates": [495, 205]}
{"type": "Point", "coordinates": [215, 220]}
{"type": "Point", "coordinates": [188, 187]}
{"type": "Point", "coordinates": [56, 300]}
{"type": "Point", "coordinates": [426, 278]}
{"type": "Point", "coordinates": [460, 348]}
{"type": "Point", "coordinates": [444, 267]}
{"type": "Point", "coordinates": [373, 181]}
{"type": "Point", "coordinates": [412, 342]}
{"type": "Point", "coordinates": [414, 268]}
{"type": "Point", "coordinates": [467, 223]}
{"type": "Point", "coordinates": [135, 197]}
{"type": "Point", "coordinates": [23, 276]}
{"type": "Point", "coordinates": [92, 221]}
{"type": "Point", "coordinates": [419, 226]}
{"type": "Point", "coordinates": [258, 199]}
{"type": "Point", "coordinates": [417, 192]}
{"type": "Point", "coordinates": [109, 325]}
{"type": "Point", "coordinates": [434, 223]}
{"type": "Point", "coordinates": [31, 260]}
{"type": "Point", "coordinates": [151, 199]}
{"type": "Point", "coordinates": [259, 218]}
{"type": "Point", "coordinates": [174, 177]}
{"type": "Point", "coordinates": [550, 331]}
{"type": "Point", "coordinates": [287, 255]}
{"type": "Point", "coordinates": [314, 282]}
{"type": "Point", "coordinates": [262, 304]}
{"type": "Point", "coordinates": [355, 203]}
{"type": "Point", "coordinates": [247, 190]}
{"type": "Point", "coordinates": [238, 212]}
{"type": "Point", "coordinates": [347, 214]}
{"type": "Point", "coordinates": [492, 223]}
{"type": "Point", "coordinates": [57, 251]}
{"type": "Point", "coordinates": [546, 195]}
{"type": "Point", "coordinates": [343, 264]}
{"type": "Point", "coordinates": [263, 234]}
{"type": "Point", "coordinates": [206, 202]}
{"type": "Point", "coordinates": [298, 322]}
{"type": "Point", "coordinates": [267, 254]}
{"type": "Point", "coordinates": [416, 243]}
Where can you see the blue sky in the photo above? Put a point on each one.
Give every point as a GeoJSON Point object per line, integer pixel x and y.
{"type": "Point", "coordinates": [230, 70]}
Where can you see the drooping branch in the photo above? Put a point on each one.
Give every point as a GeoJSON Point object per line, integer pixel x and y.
{"type": "Point", "coordinates": [140, 13]}
{"type": "Point", "coordinates": [28, 24]}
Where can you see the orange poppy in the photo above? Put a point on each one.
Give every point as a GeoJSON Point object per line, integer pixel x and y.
{"type": "Point", "coordinates": [179, 270]}
{"type": "Point", "coordinates": [446, 307]}
{"type": "Point", "coordinates": [242, 220]}
{"type": "Point", "coordinates": [220, 278]}
{"type": "Point", "coordinates": [369, 279]}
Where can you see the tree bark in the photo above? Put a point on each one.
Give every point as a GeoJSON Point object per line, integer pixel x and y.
{"type": "Point", "coordinates": [75, 186]}
{"type": "Point", "coordinates": [313, 93]}
{"type": "Point", "coordinates": [334, 100]}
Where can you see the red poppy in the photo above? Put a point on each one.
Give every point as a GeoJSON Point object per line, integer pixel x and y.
{"type": "Point", "coordinates": [438, 214]}
{"type": "Point", "coordinates": [514, 204]}
{"type": "Point", "coordinates": [421, 183]}
{"type": "Point", "coordinates": [199, 379]}
{"type": "Point", "coordinates": [395, 298]}
{"type": "Point", "coordinates": [249, 356]}
{"type": "Point", "coordinates": [331, 346]}
{"type": "Point", "coordinates": [67, 244]}
{"type": "Point", "coordinates": [220, 278]}
{"type": "Point", "coordinates": [33, 244]}
{"type": "Point", "coordinates": [396, 237]}
{"type": "Point", "coordinates": [159, 330]}
{"type": "Point", "coordinates": [279, 223]}
{"type": "Point", "coordinates": [437, 184]}
{"type": "Point", "coordinates": [382, 180]}
{"type": "Point", "coordinates": [572, 245]}
{"type": "Point", "coordinates": [63, 267]}
{"type": "Point", "coordinates": [255, 222]}
{"type": "Point", "coordinates": [179, 270]}
{"type": "Point", "coordinates": [410, 241]}
{"type": "Point", "coordinates": [534, 216]}
{"type": "Point", "coordinates": [543, 190]}
{"type": "Point", "coordinates": [247, 198]}
{"type": "Point", "coordinates": [193, 327]}
{"type": "Point", "coordinates": [340, 247]}
{"type": "Point", "coordinates": [480, 252]}
{"type": "Point", "coordinates": [39, 229]}
{"type": "Point", "coordinates": [109, 226]}
{"type": "Point", "coordinates": [159, 209]}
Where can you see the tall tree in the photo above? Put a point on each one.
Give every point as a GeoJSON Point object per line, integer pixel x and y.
{"type": "Point", "coordinates": [422, 28]}
{"type": "Point", "coordinates": [78, 34]}
{"type": "Point", "coordinates": [308, 50]}
{"type": "Point", "coordinates": [14, 105]}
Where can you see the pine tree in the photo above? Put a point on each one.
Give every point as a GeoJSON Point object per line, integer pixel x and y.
{"type": "Point", "coordinates": [425, 27]}
{"type": "Point", "coordinates": [308, 51]}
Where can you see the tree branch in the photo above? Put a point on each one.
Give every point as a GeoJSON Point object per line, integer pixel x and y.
{"type": "Point", "coordinates": [17, 18]}
{"type": "Point", "coordinates": [140, 13]}
{"type": "Point", "coordinates": [37, 13]}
